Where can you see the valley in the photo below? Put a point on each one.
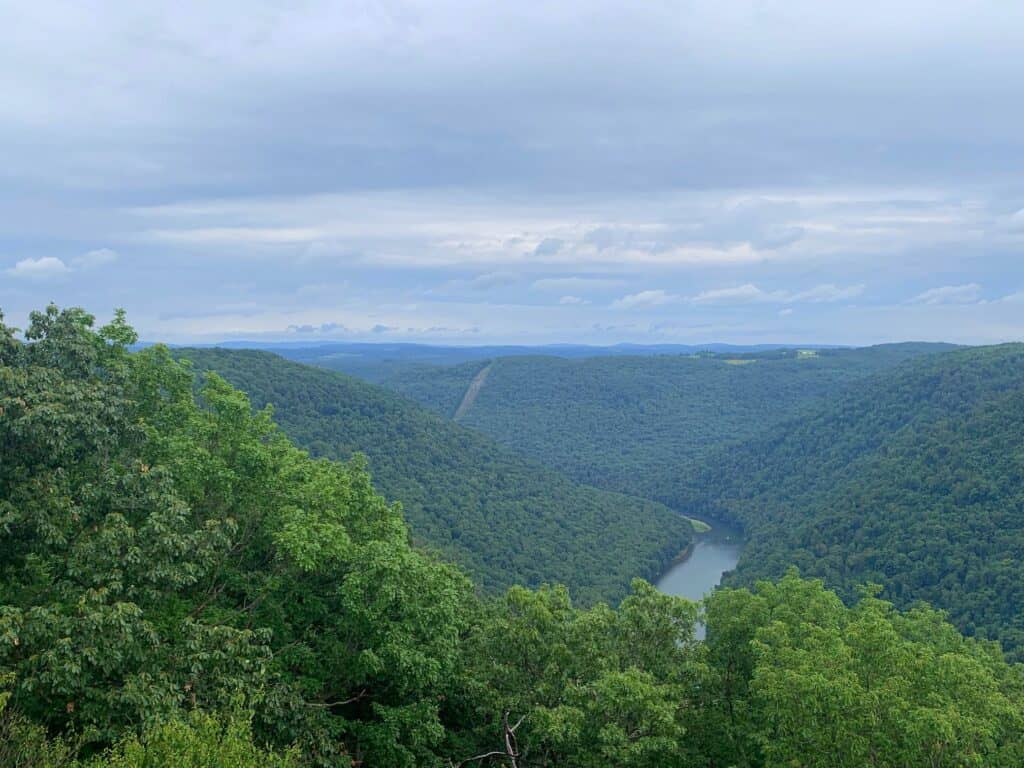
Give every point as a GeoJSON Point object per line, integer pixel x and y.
{"type": "Point", "coordinates": [197, 559]}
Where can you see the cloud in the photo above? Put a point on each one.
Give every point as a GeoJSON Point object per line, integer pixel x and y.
{"type": "Point", "coordinates": [45, 268]}
{"type": "Point", "coordinates": [749, 293]}
{"type": "Point", "coordinates": [775, 237]}
{"type": "Point", "coordinates": [1012, 298]}
{"type": "Point", "coordinates": [569, 300]}
{"type": "Point", "coordinates": [763, 223]}
{"type": "Point", "coordinates": [715, 154]}
{"type": "Point", "coordinates": [786, 312]}
{"type": "Point", "coordinates": [95, 258]}
{"type": "Point", "coordinates": [52, 268]}
{"type": "Point", "coordinates": [644, 300]}
{"type": "Point", "coordinates": [741, 294]}
{"type": "Point", "coordinates": [968, 293]}
{"type": "Point", "coordinates": [323, 328]}
{"type": "Point", "coordinates": [549, 246]}
{"type": "Point", "coordinates": [488, 281]}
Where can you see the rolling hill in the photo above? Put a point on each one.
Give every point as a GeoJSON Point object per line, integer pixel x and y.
{"type": "Point", "coordinates": [642, 425]}
{"type": "Point", "coordinates": [506, 519]}
{"type": "Point", "coordinates": [913, 480]}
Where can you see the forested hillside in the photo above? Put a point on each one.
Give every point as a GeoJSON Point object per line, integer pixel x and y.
{"type": "Point", "coordinates": [181, 586]}
{"type": "Point", "coordinates": [913, 480]}
{"type": "Point", "coordinates": [506, 519]}
{"type": "Point", "coordinates": [642, 425]}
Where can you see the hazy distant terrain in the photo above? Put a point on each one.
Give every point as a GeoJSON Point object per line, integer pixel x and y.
{"type": "Point", "coordinates": [376, 362]}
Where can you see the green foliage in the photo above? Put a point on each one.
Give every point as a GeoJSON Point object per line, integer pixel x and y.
{"type": "Point", "coordinates": [912, 480]}
{"type": "Point", "coordinates": [816, 684]}
{"type": "Point", "coordinates": [157, 555]}
{"type": "Point", "coordinates": [505, 519]}
{"type": "Point", "coordinates": [899, 464]}
{"type": "Point", "coordinates": [592, 687]}
{"type": "Point", "coordinates": [201, 741]}
{"type": "Point", "coordinates": [642, 425]}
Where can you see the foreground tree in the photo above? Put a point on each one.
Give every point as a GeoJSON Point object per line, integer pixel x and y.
{"type": "Point", "coordinates": [806, 681]}
{"type": "Point", "coordinates": [159, 553]}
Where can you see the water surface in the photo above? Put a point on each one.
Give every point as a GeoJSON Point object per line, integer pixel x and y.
{"type": "Point", "coordinates": [713, 553]}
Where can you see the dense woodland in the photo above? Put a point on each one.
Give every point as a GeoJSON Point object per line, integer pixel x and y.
{"type": "Point", "coordinates": [507, 520]}
{"type": "Point", "coordinates": [181, 586]}
{"type": "Point", "coordinates": [913, 480]}
{"type": "Point", "coordinates": [900, 465]}
{"type": "Point", "coordinates": [642, 425]}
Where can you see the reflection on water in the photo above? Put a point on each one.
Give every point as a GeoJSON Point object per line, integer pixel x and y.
{"type": "Point", "coordinates": [713, 554]}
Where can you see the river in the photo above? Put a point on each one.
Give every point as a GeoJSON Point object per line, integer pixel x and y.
{"type": "Point", "coordinates": [713, 553]}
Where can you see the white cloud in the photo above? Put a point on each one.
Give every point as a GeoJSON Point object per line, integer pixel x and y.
{"type": "Point", "coordinates": [750, 293]}
{"type": "Point", "coordinates": [741, 294]}
{"type": "Point", "coordinates": [968, 293]}
{"type": "Point", "coordinates": [827, 293]}
{"type": "Point", "coordinates": [549, 246]}
{"type": "Point", "coordinates": [96, 258]}
{"type": "Point", "coordinates": [1012, 298]}
{"type": "Point", "coordinates": [45, 268]}
{"type": "Point", "coordinates": [786, 312]}
{"type": "Point", "coordinates": [644, 299]}
{"type": "Point", "coordinates": [572, 300]}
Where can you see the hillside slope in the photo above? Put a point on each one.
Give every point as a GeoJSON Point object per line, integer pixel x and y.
{"type": "Point", "coordinates": [641, 425]}
{"type": "Point", "coordinates": [913, 480]}
{"type": "Point", "coordinates": [505, 519]}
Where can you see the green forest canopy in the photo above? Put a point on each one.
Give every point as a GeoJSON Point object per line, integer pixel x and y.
{"type": "Point", "coordinates": [913, 480]}
{"type": "Point", "coordinates": [899, 464]}
{"type": "Point", "coordinates": [506, 519]}
{"type": "Point", "coordinates": [642, 425]}
{"type": "Point", "coordinates": [182, 586]}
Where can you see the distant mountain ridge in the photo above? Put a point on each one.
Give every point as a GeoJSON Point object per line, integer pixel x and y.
{"type": "Point", "coordinates": [375, 361]}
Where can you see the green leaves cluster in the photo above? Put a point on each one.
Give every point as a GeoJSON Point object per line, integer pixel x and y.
{"type": "Point", "coordinates": [160, 554]}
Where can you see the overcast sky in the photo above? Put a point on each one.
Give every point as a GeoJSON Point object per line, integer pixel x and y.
{"type": "Point", "coordinates": [797, 171]}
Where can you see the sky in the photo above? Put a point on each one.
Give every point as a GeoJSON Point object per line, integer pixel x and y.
{"type": "Point", "coordinates": [696, 171]}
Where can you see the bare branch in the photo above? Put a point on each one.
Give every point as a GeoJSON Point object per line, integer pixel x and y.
{"type": "Point", "coordinates": [511, 751]}
{"type": "Point", "coordinates": [328, 704]}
